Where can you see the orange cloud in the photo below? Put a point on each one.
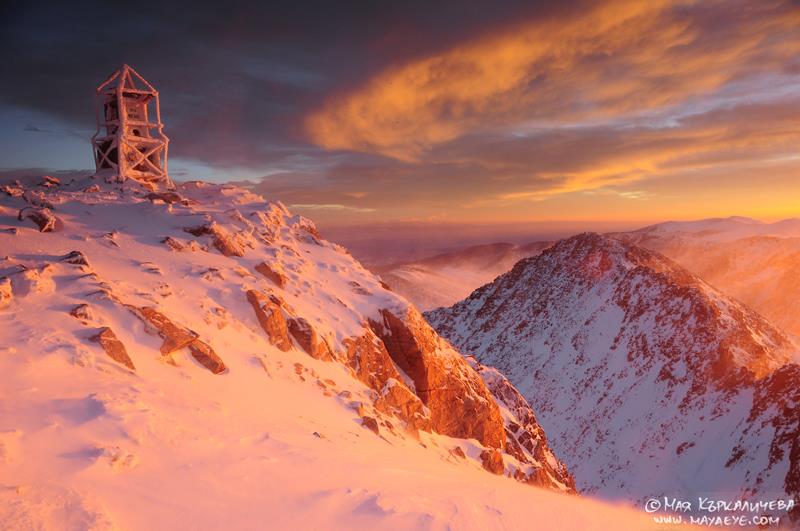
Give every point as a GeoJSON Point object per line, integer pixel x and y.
{"type": "Point", "coordinates": [611, 61]}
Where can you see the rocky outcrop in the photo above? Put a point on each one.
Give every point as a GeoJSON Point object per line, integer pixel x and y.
{"type": "Point", "coordinates": [458, 400]}
{"type": "Point", "coordinates": [175, 337]}
{"type": "Point", "coordinates": [492, 460]}
{"type": "Point", "coordinates": [14, 189]}
{"type": "Point", "coordinates": [48, 181]}
{"type": "Point", "coordinates": [43, 218]}
{"type": "Point", "coordinates": [75, 258]}
{"type": "Point", "coordinates": [227, 243]}
{"type": "Point", "coordinates": [177, 244]}
{"type": "Point", "coordinates": [367, 357]}
{"type": "Point", "coordinates": [308, 339]}
{"type": "Point", "coordinates": [270, 316]}
{"type": "Point", "coordinates": [167, 197]}
{"type": "Point", "coordinates": [206, 356]}
{"type": "Point", "coordinates": [371, 424]}
{"type": "Point", "coordinates": [113, 347]}
{"type": "Point", "coordinates": [272, 273]}
{"type": "Point", "coordinates": [398, 400]}
{"type": "Point", "coordinates": [82, 312]}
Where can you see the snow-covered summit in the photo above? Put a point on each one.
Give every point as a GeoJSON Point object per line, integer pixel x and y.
{"type": "Point", "coordinates": [648, 381]}
{"type": "Point", "coordinates": [207, 347]}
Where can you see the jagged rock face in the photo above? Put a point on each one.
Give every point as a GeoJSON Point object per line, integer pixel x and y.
{"type": "Point", "coordinates": [525, 438]}
{"type": "Point", "coordinates": [366, 355]}
{"type": "Point", "coordinates": [460, 404]}
{"type": "Point", "coordinates": [398, 400]}
{"type": "Point", "coordinates": [633, 366]}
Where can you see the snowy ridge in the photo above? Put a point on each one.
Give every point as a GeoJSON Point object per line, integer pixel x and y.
{"type": "Point", "coordinates": [648, 381]}
{"type": "Point", "coordinates": [752, 261]}
{"type": "Point", "coordinates": [205, 344]}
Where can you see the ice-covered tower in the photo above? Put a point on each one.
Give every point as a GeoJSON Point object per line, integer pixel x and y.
{"type": "Point", "coordinates": [130, 142]}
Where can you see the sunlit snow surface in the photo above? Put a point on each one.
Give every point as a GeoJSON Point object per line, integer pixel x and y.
{"type": "Point", "coordinates": [269, 444]}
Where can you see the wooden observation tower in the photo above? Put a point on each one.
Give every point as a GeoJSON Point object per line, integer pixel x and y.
{"type": "Point", "coordinates": [130, 142]}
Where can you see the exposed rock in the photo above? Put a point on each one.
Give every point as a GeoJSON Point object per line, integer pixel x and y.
{"type": "Point", "coordinates": [307, 338]}
{"type": "Point", "coordinates": [398, 400]}
{"type": "Point", "coordinates": [175, 337]}
{"type": "Point", "coordinates": [43, 218]}
{"type": "Point", "coordinates": [75, 257]}
{"type": "Point", "coordinates": [92, 189]}
{"type": "Point", "coordinates": [371, 424]}
{"type": "Point", "coordinates": [176, 244]}
{"type": "Point", "coordinates": [49, 181]}
{"type": "Point", "coordinates": [367, 356]}
{"type": "Point", "coordinates": [14, 190]}
{"type": "Point", "coordinates": [458, 452]}
{"type": "Point", "coordinates": [525, 438]}
{"type": "Point", "coordinates": [206, 356]}
{"type": "Point", "coordinates": [539, 477]}
{"type": "Point", "coordinates": [167, 197]}
{"type": "Point", "coordinates": [37, 198]}
{"type": "Point", "coordinates": [113, 347]}
{"type": "Point", "coordinates": [492, 461]}
{"type": "Point", "coordinates": [358, 288]}
{"type": "Point", "coordinates": [6, 293]}
{"type": "Point", "coordinates": [593, 324]}
{"type": "Point", "coordinates": [11, 230]}
{"type": "Point", "coordinates": [459, 402]}
{"type": "Point", "coordinates": [270, 316]}
{"type": "Point", "coordinates": [82, 312]}
{"type": "Point", "coordinates": [272, 274]}
{"type": "Point", "coordinates": [225, 242]}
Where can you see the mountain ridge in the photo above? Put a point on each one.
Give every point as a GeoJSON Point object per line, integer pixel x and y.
{"type": "Point", "coordinates": [636, 362]}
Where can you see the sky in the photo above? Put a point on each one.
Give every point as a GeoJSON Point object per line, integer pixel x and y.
{"type": "Point", "coordinates": [444, 114]}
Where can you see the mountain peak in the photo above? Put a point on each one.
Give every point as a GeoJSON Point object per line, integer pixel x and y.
{"type": "Point", "coordinates": [627, 356]}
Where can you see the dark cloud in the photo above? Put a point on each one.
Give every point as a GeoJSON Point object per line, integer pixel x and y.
{"type": "Point", "coordinates": [235, 78]}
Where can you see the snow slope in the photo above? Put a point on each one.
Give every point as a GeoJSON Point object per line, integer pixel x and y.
{"type": "Point", "coordinates": [757, 263]}
{"type": "Point", "coordinates": [648, 381]}
{"type": "Point", "coordinates": [445, 279]}
{"type": "Point", "coordinates": [204, 360]}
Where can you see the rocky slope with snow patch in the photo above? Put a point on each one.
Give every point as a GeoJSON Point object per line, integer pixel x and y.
{"type": "Point", "coordinates": [195, 344]}
{"type": "Point", "coordinates": [648, 381]}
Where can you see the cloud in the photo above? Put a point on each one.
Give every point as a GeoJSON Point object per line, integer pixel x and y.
{"type": "Point", "coordinates": [613, 60]}
{"type": "Point", "coordinates": [329, 206]}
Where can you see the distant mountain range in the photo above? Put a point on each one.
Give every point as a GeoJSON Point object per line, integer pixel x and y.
{"type": "Point", "coordinates": [756, 263]}
{"type": "Point", "coordinates": [446, 278]}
